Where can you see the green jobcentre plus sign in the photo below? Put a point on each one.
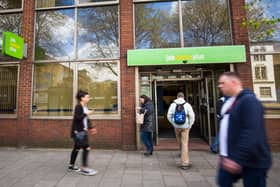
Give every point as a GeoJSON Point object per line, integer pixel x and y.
{"type": "Point", "coordinates": [13, 45]}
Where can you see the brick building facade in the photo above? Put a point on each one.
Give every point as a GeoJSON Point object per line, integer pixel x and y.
{"type": "Point", "coordinates": [24, 129]}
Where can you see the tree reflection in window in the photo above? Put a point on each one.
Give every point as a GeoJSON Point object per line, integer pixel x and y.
{"type": "Point", "coordinates": [54, 3]}
{"type": "Point", "coordinates": [157, 25]}
{"type": "Point", "coordinates": [10, 4]}
{"type": "Point", "coordinates": [101, 81]}
{"type": "Point", "coordinates": [98, 32]}
{"type": "Point", "coordinates": [55, 35]}
{"type": "Point", "coordinates": [206, 23]}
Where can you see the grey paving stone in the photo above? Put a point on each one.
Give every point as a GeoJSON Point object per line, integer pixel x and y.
{"type": "Point", "coordinates": [173, 181]}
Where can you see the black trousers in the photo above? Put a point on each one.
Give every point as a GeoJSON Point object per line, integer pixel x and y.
{"type": "Point", "coordinates": [75, 152]}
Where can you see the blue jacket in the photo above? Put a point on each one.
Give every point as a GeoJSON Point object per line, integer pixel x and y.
{"type": "Point", "coordinates": [247, 139]}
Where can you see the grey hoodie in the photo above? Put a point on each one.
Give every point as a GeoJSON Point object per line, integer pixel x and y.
{"type": "Point", "coordinates": [189, 112]}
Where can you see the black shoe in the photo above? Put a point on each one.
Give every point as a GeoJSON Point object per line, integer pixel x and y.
{"type": "Point", "coordinates": [213, 151]}
{"type": "Point", "coordinates": [73, 168]}
{"type": "Point", "coordinates": [148, 153]}
{"type": "Point", "coordinates": [186, 167]}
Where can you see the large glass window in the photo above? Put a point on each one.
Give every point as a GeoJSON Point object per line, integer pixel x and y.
{"type": "Point", "coordinates": [206, 23]}
{"type": "Point", "coordinates": [8, 89]}
{"type": "Point", "coordinates": [94, 1]}
{"type": "Point", "coordinates": [200, 22]}
{"type": "Point", "coordinates": [157, 25]}
{"type": "Point", "coordinates": [53, 89]}
{"type": "Point", "coordinates": [101, 81]}
{"type": "Point", "coordinates": [10, 4]}
{"type": "Point", "coordinates": [55, 35]}
{"type": "Point", "coordinates": [102, 24]}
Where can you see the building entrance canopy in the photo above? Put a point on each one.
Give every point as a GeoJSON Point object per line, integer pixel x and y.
{"type": "Point", "coordinates": [191, 55]}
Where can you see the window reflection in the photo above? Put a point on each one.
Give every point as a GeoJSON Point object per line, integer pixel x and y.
{"type": "Point", "coordinates": [98, 32]}
{"type": "Point", "coordinates": [11, 23]}
{"type": "Point", "coordinates": [55, 35]}
{"type": "Point", "coordinates": [10, 4]}
{"type": "Point", "coordinates": [8, 89]}
{"type": "Point", "coordinates": [101, 81]}
{"type": "Point", "coordinates": [53, 89]}
{"type": "Point", "coordinates": [157, 25]}
{"type": "Point", "coordinates": [53, 3]}
{"type": "Point", "coordinates": [94, 1]}
{"type": "Point", "coordinates": [206, 23]}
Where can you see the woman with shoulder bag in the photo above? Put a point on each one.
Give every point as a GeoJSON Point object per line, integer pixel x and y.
{"type": "Point", "coordinates": [80, 128]}
{"type": "Point", "coordinates": [146, 129]}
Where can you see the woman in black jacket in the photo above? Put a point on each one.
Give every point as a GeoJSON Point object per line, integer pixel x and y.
{"type": "Point", "coordinates": [81, 125]}
{"type": "Point", "coordinates": [147, 127]}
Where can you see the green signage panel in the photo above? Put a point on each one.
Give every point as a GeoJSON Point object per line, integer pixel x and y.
{"type": "Point", "coordinates": [191, 55]}
{"type": "Point", "coordinates": [13, 45]}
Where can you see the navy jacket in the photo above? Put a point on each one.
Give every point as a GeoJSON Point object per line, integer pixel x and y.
{"type": "Point", "coordinates": [247, 139]}
{"type": "Point", "coordinates": [148, 125]}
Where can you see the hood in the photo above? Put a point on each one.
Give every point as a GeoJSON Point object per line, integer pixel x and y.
{"type": "Point", "coordinates": [245, 92]}
{"type": "Point", "coordinates": [179, 101]}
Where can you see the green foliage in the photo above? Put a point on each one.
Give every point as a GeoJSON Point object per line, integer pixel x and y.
{"type": "Point", "coordinates": [260, 27]}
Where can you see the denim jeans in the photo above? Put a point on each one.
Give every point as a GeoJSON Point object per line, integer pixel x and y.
{"type": "Point", "coordinates": [147, 140]}
{"type": "Point", "coordinates": [214, 146]}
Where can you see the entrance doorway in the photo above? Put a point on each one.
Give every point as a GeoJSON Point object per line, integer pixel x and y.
{"type": "Point", "coordinates": [200, 91]}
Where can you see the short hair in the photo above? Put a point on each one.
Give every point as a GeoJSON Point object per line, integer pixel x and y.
{"type": "Point", "coordinates": [180, 94]}
{"type": "Point", "coordinates": [232, 75]}
{"type": "Point", "coordinates": [81, 94]}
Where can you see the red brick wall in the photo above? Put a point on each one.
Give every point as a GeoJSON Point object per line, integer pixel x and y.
{"type": "Point", "coordinates": [240, 37]}
{"type": "Point", "coordinates": [273, 131]}
{"type": "Point", "coordinates": [127, 76]}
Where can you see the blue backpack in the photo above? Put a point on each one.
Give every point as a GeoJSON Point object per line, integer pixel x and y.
{"type": "Point", "coordinates": [180, 114]}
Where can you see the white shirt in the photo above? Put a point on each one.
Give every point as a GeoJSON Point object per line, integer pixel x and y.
{"type": "Point", "coordinates": [85, 120]}
{"type": "Point", "coordinates": [223, 136]}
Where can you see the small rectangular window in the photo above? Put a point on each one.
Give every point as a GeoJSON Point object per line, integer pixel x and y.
{"type": "Point", "coordinates": [265, 92]}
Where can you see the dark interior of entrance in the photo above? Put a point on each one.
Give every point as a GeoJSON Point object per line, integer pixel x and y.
{"type": "Point", "coordinates": [166, 94]}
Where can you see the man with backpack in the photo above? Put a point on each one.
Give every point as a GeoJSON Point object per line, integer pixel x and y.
{"type": "Point", "coordinates": [180, 114]}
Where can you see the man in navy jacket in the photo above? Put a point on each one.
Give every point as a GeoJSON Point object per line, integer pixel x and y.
{"type": "Point", "coordinates": [244, 149]}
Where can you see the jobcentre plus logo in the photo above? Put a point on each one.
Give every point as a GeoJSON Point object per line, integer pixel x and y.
{"type": "Point", "coordinates": [176, 58]}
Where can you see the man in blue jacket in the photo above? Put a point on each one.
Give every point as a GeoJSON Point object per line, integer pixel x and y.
{"type": "Point", "coordinates": [244, 149]}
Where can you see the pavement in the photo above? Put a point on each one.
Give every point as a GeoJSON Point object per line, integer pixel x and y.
{"type": "Point", "coordinates": [48, 167]}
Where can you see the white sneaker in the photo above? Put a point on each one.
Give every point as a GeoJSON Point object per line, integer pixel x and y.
{"type": "Point", "coordinates": [88, 171]}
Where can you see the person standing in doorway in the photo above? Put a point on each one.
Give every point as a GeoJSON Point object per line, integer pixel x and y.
{"type": "Point", "coordinates": [147, 128]}
{"type": "Point", "coordinates": [244, 149]}
{"type": "Point", "coordinates": [180, 114]}
{"type": "Point", "coordinates": [81, 123]}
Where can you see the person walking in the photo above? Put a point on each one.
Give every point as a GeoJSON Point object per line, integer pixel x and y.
{"type": "Point", "coordinates": [82, 124]}
{"type": "Point", "coordinates": [244, 149]}
{"type": "Point", "coordinates": [180, 114]}
{"type": "Point", "coordinates": [147, 128]}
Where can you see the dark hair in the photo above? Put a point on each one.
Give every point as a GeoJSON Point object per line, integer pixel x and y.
{"type": "Point", "coordinates": [81, 94]}
{"type": "Point", "coordinates": [146, 98]}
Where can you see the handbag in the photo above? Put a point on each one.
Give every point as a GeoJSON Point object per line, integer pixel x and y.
{"type": "Point", "coordinates": [81, 139]}
{"type": "Point", "coordinates": [140, 118]}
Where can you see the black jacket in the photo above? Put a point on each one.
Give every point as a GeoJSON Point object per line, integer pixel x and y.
{"type": "Point", "coordinates": [247, 139]}
{"type": "Point", "coordinates": [148, 125]}
{"type": "Point", "coordinates": [77, 123]}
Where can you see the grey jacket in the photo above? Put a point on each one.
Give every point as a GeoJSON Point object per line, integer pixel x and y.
{"type": "Point", "coordinates": [148, 109]}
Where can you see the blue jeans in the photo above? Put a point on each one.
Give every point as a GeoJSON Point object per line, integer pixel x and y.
{"type": "Point", "coordinates": [147, 140]}
{"type": "Point", "coordinates": [252, 177]}
{"type": "Point", "coordinates": [214, 146]}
